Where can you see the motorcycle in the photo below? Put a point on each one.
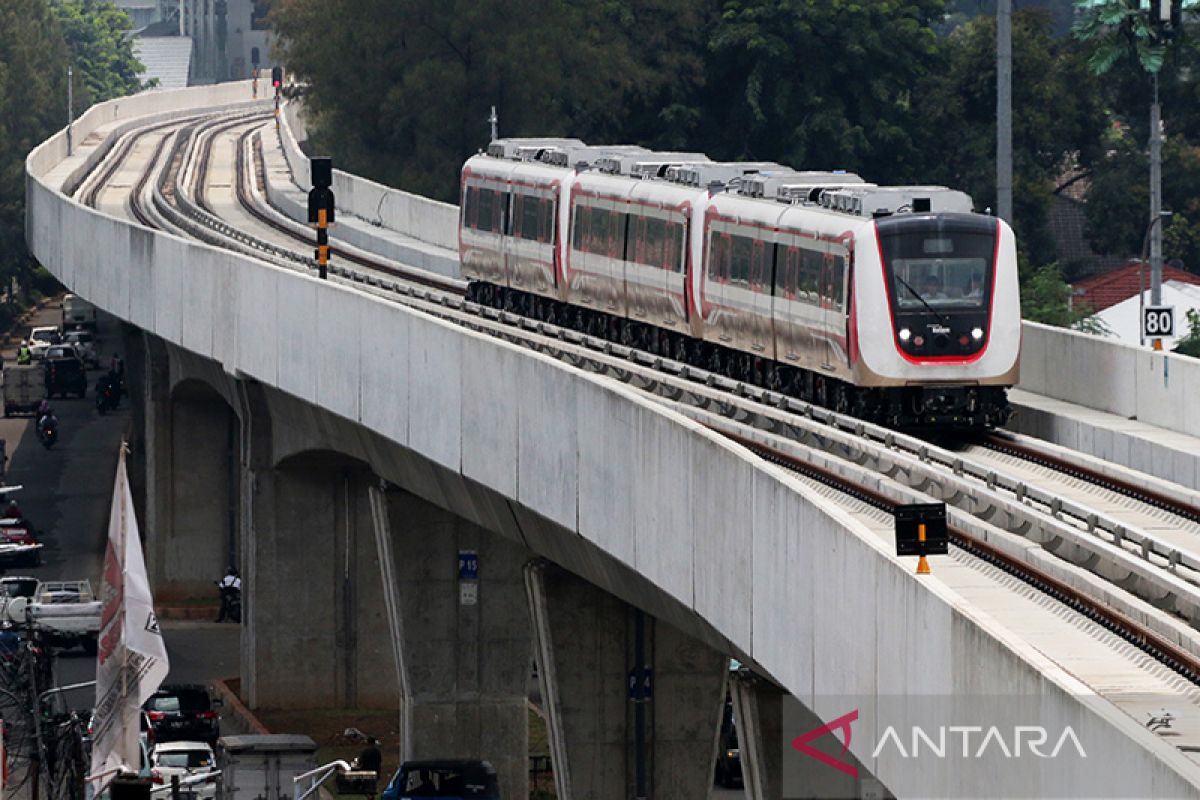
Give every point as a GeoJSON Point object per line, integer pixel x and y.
{"type": "Point", "coordinates": [231, 603]}
{"type": "Point", "coordinates": [107, 397]}
{"type": "Point", "coordinates": [48, 432]}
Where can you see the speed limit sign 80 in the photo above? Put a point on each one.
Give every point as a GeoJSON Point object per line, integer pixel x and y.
{"type": "Point", "coordinates": [1158, 322]}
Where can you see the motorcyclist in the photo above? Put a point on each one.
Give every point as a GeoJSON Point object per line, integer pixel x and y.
{"type": "Point", "coordinates": [230, 587]}
{"type": "Point", "coordinates": [12, 510]}
{"type": "Point", "coordinates": [111, 383]}
{"type": "Point", "coordinates": [24, 354]}
{"type": "Point", "coordinates": [45, 417]}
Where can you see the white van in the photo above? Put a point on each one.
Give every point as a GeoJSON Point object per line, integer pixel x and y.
{"type": "Point", "coordinates": [78, 313]}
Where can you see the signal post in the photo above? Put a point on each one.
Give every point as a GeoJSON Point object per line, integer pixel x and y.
{"type": "Point", "coordinates": [320, 208]}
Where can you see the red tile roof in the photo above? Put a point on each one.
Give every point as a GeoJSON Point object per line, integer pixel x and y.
{"type": "Point", "coordinates": [1109, 288]}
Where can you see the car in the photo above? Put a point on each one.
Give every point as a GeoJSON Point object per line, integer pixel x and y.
{"type": "Point", "coordinates": [18, 531]}
{"type": "Point", "coordinates": [460, 779]}
{"type": "Point", "coordinates": [65, 372]}
{"type": "Point", "coordinates": [84, 343]}
{"type": "Point", "coordinates": [41, 338]}
{"type": "Point", "coordinates": [18, 586]}
{"type": "Point", "coordinates": [184, 759]}
{"type": "Point", "coordinates": [183, 712]}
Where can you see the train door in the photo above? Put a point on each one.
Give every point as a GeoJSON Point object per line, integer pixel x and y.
{"type": "Point", "coordinates": [828, 294]}
{"type": "Point", "coordinates": [760, 295]}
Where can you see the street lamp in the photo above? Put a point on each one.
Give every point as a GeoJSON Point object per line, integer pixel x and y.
{"type": "Point", "coordinates": [1159, 217]}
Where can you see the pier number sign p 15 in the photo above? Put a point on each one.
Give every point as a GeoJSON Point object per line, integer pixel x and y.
{"type": "Point", "coordinates": [1158, 322]}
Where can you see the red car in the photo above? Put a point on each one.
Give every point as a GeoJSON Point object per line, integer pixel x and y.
{"type": "Point", "coordinates": [14, 530]}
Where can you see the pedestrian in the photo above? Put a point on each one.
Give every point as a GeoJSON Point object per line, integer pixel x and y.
{"type": "Point", "coordinates": [370, 759]}
{"type": "Point", "coordinates": [231, 588]}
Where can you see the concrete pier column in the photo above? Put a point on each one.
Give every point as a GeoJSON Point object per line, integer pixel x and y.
{"type": "Point", "coordinates": [758, 712]}
{"type": "Point", "coordinates": [318, 634]}
{"type": "Point", "coordinates": [634, 706]}
{"type": "Point", "coordinates": [460, 636]}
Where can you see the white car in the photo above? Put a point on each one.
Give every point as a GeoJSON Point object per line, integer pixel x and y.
{"type": "Point", "coordinates": [185, 759]}
{"type": "Point", "coordinates": [85, 344]}
{"type": "Point", "coordinates": [41, 338]}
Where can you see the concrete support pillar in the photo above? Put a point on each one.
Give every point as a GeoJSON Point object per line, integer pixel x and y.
{"type": "Point", "coordinates": [156, 391]}
{"type": "Point", "coordinates": [461, 638]}
{"type": "Point", "coordinates": [317, 635]}
{"type": "Point", "coordinates": [758, 711]}
{"type": "Point", "coordinates": [588, 645]}
{"type": "Point", "coordinates": [191, 467]}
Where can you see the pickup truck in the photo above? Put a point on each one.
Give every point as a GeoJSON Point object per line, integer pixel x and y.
{"type": "Point", "coordinates": [66, 613]}
{"type": "Point", "coordinates": [24, 388]}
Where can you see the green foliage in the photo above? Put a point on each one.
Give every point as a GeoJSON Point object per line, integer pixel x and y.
{"type": "Point", "coordinates": [1190, 345]}
{"type": "Point", "coordinates": [1118, 199]}
{"type": "Point", "coordinates": [96, 33]}
{"type": "Point", "coordinates": [33, 102]}
{"type": "Point", "coordinates": [820, 84]}
{"type": "Point", "coordinates": [1046, 298]}
{"type": "Point", "coordinates": [1121, 33]}
{"type": "Point", "coordinates": [400, 89]}
{"type": "Point", "coordinates": [1057, 116]}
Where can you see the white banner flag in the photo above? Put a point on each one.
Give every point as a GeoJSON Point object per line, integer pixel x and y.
{"type": "Point", "coordinates": [131, 660]}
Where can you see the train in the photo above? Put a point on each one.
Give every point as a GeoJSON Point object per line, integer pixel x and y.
{"type": "Point", "coordinates": [896, 304]}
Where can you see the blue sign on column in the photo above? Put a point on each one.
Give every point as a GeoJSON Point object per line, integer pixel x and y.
{"type": "Point", "coordinates": [468, 565]}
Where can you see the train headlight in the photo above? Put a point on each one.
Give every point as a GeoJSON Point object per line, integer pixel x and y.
{"type": "Point", "coordinates": [977, 333]}
{"type": "Point", "coordinates": [905, 333]}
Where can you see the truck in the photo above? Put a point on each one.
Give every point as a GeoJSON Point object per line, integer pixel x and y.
{"type": "Point", "coordinates": [24, 388]}
{"type": "Point", "coordinates": [78, 313]}
{"type": "Point", "coordinates": [263, 766]}
{"type": "Point", "coordinates": [65, 613]}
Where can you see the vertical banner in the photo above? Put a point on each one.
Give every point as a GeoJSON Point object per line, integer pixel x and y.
{"type": "Point", "coordinates": [131, 660]}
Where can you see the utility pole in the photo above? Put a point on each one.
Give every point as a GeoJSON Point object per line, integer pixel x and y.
{"type": "Point", "coordinates": [1004, 167]}
{"type": "Point", "coordinates": [1156, 203]}
{"type": "Point", "coordinates": [70, 105]}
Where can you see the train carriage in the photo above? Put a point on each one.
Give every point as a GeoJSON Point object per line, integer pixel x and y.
{"type": "Point", "coordinates": [897, 304]}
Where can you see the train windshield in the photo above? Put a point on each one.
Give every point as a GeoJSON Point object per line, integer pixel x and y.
{"type": "Point", "coordinates": [939, 263]}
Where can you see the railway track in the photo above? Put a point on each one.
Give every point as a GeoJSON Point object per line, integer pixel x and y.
{"type": "Point", "coordinates": [1138, 584]}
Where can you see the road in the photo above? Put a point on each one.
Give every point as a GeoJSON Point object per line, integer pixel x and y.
{"type": "Point", "coordinates": [67, 493]}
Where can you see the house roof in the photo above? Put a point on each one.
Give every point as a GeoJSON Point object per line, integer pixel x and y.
{"type": "Point", "coordinates": [1109, 288]}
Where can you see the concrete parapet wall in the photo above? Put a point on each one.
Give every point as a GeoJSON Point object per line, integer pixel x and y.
{"type": "Point", "coordinates": [1132, 382]}
{"type": "Point", "coordinates": [423, 219]}
{"type": "Point", "coordinates": [789, 579]}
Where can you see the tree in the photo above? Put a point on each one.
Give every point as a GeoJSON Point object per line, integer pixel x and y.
{"type": "Point", "coordinates": [33, 102]}
{"type": "Point", "coordinates": [1057, 118]}
{"type": "Point", "coordinates": [1046, 298]}
{"type": "Point", "coordinates": [1189, 345]}
{"type": "Point", "coordinates": [400, 89]}
{"type": "Point", "coordinates": [96, 32]}
{"type": "Point", "coordinates": [819, 84]}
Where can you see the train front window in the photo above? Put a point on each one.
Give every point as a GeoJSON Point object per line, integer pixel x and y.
{"type": "Point", "coordinates": [944, 268]}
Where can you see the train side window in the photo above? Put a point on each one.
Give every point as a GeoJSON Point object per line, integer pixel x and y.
{"type": "Point", "coordinates": [673, 247]}
{"type": "Point", "coordinates": [546, 221]}
{"type": "Point", "coordinates": [527, 213]}
{"type": "Point", "coordinates": [810, 274]}
{"type": "Point", "coordinates": [718, 256]}
{"type": "Point", "coordinates": [739, 266]}
{"type": "Point", "coordinates": [597, 235]}
{"type": "Point", "coordinates": [839, 282]}
{"type": "Point", "coordinates": [758, 264]}
{"type": "Point", "coordinates": [637, 238]}
{"type": "Point", "coordinates": [470, 207]}
{"type": "Point", "coordinates": [488, 210]}
{"type": "Point", "coordinates": [787, 271]}
{"type": "Point", "coordinates": [616, 240]}
{"type": "Point", "coordinates": [579, 228]}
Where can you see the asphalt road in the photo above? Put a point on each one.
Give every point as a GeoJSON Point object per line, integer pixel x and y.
{"type": "Point", "coordinates": [67, 494]}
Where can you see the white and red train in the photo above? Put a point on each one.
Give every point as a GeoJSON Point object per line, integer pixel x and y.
{"type": "Point", "coordinates": [895, 304]}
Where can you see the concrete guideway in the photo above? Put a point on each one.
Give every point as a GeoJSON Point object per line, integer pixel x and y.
{"type": "Point", "coordinates": [522, 435]}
